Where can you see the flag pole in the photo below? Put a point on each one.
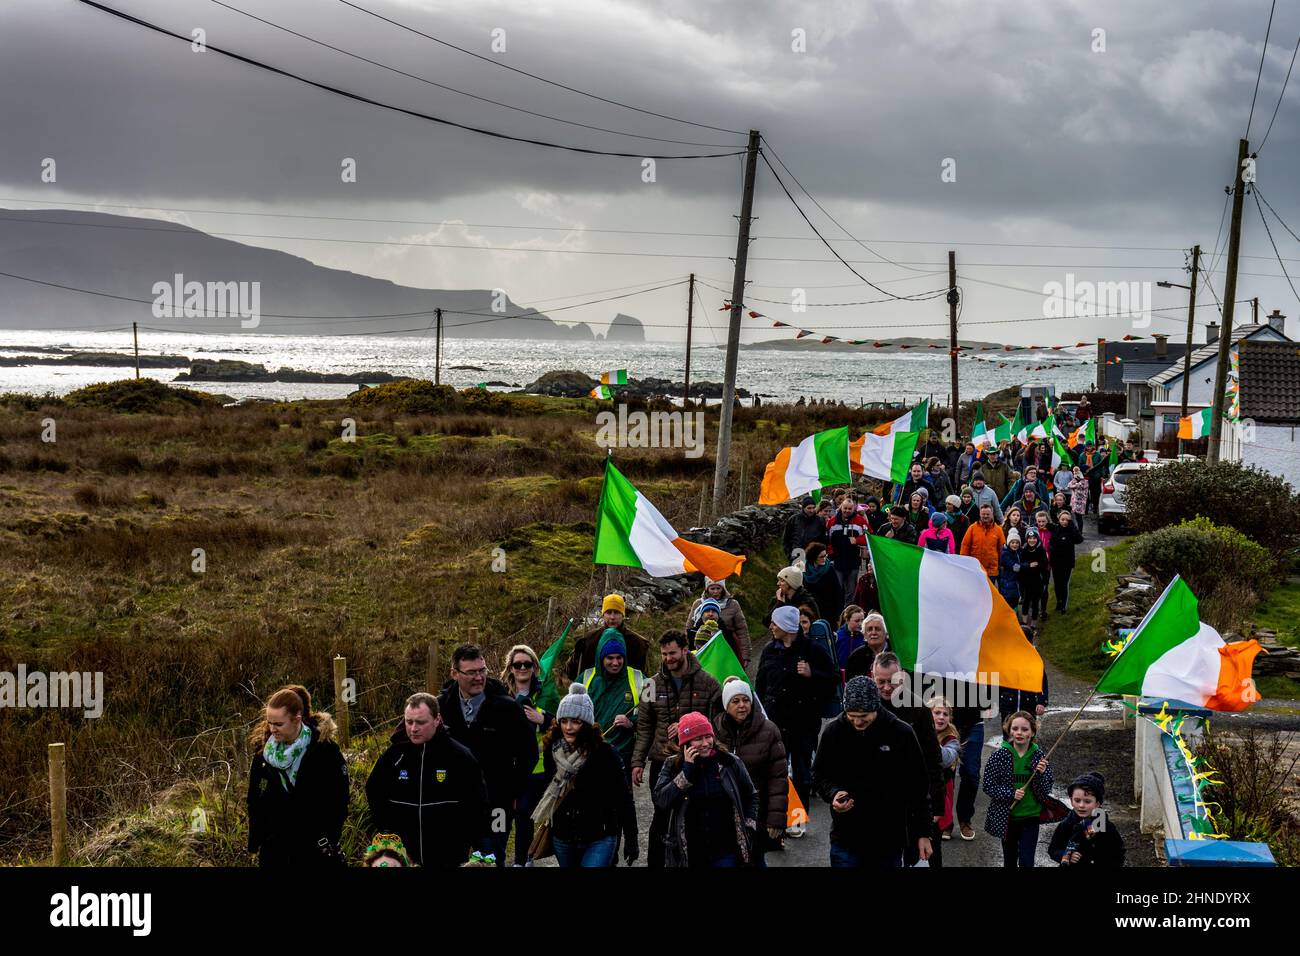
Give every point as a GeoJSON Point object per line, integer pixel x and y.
{"type": "Point", "coordinates": [600, 510]}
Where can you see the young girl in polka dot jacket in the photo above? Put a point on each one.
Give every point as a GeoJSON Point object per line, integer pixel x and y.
{"type": "Point", "coordinates": [1018, 780]}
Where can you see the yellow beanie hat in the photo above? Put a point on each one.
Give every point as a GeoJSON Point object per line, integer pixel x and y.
{"type": "Point", "coordinates": [613, 602]}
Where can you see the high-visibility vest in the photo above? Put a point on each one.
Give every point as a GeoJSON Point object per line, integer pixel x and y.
{"type": "Point", "coordinates": [635, 679]}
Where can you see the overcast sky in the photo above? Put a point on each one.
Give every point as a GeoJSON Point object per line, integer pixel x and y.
{"type": "Point", "coordinates": [1054, 143]}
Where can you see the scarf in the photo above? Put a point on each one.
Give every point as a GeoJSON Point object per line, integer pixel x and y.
{"type": "Point", "coordinates": [568, 761]}
{"type": "Point", "coordinates": [813, 573]}
{"type": "Point", "coordinates": [287, 757]}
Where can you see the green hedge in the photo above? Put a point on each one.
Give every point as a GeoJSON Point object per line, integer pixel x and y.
{"type": "Point", "coordinates": [1212, 559]}
{"type": "Point", "coordinates": [1259, 505]}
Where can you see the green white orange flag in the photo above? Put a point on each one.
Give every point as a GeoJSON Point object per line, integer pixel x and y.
{"type": "Point", "coordinates": [601, 391]}
{"type": "Point", "coordinates": [1196, 425]}
{"type": "Point", "coordinates": [1114, 455]}
{"type": "Point", "coordinates": [1019, 427]}
{"type": "Point", "coordinates": [549, 697]}
{"type": "Point", "coordinates": [616, 377]}
{"type": "Point", "coordinates": [1176, 656]}
{"type": "Point", "coordinates": [980, 433]}
{"type": "Point", "coordinates": [1060, 453]}
{"type": "Point", "coordinates": [1003, 431]}
{"type": "Point", "coordinates": [630, 532]}
{"type": "Point", "coordinates": [817, 461]}
{"type": "Point", "coordinates": [913, 420]}
{"type": "Point", "coordinates": [883, 456]}
{"type": "Point", "coordinates": [945, 617]}
{"type": "Point", "coordinates": [717, 658]}
{"type": "Point", "coordinates": [1087, 433]}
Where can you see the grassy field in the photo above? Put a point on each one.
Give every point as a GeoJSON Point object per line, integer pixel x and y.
{"type": "Point", "coordinates": [310, 546]}
{"type": "Point", "coordinates": [1073, 641]}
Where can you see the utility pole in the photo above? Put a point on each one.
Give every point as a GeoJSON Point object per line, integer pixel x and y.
{"type": "Point", "coordinates": [437, 349]}
{"type": "Point", "coordinates": [1229, 301]}
{"type": "Point", "coordinates": [1254, 311]}
{"type": "Point", "coordinates": [135, 337]}
{"type": "Point", "coordinates": [733, 330]}
{"type": "Point", "coordinates": [690, 314]}
{"type": "Point", "coordinates": [952, 332]}
{"type": "Point", "coordinates": [1191, 324]}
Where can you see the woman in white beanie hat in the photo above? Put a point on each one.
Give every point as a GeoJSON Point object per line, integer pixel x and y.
{"type": "Point", "coordinates": [587, 803]}
{"type": "Point", "coordinates": [747, 733]}
{"type": "Point", "coordinates": [790, 592]}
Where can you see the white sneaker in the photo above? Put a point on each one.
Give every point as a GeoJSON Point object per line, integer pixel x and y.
{"type": "Point", "coordinates": [796, 832]}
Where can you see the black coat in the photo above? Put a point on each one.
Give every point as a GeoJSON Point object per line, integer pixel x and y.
{"type": "Point", "coordinates": [1104, 848]}
{"type": "Point", "coordinates": [801, 531]}
{"type": "Point", "coordinates": [285, 827]}
{"type": "Point", "coordinates": [860, 661]}
{"type": "Point", "coordinates": [826, 593]}
{"type": "Point", "coordinates": [432, 795]}
{"type": "Point", "coordinates": [502, 740]}
{"type": "Point", "coordinates": [799, 597]}
{"type": "Point", "coordinates": [794, 702]}
{"type": "Point", "coordinates": [1064, 540]}
{"type": "Point", "coordinates": [672, 795]}
{"type": "Point", "coordinates": [600, 803]}
{"type": "Point", "coordinates": [917, 716]}
{"type": "Point", "coordinates": [883, 771]}
{"type": "Point", "coordinates": [905, 532]}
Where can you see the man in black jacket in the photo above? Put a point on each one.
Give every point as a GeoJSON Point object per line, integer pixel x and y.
{"type": "Point", "coordinates": [803, 528]}
{"type": "Point", "coordinates": [870, 770]}
{"type": "Point", "coordinates": [795, 679]}
{"type": "Point", "coordinates": [428, 789]}
{"type": "Point", "coordinates": [897, 697]}
{"type": "Point", "coordinates": [480, 713]}
{"type": "Point", "coordinates": [899, 528]}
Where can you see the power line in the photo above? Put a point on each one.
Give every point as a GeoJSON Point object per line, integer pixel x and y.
{"type": "Point", "coordinates": [811, 305]}
{"type": "Point", "coordinates": [1279, 98]}
{"type": "Point", "coordinates": [1269, 233]}
{"type": "Point", "coordinates": [452, 89]}
{"type": "Point", "coordinates": [1275, 214]}
{"type": "Point", "coordinates": [534, 76]}
{"type": "Point", "coordinates": [1258, 75]}
{"type": "Point", "coordinates": [398, 109]}
{"type": "Point", "coordinates": [796, 205]}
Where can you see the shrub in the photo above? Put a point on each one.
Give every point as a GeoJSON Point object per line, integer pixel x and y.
{"type": "Point", "coordinates": [1257, 768]}
{"type": "Point", "coordinates": [140, 395]}
{"type": "Point", "coordinates": [412, 396]}
{"type": "Point", "coordinates": [1226, 569]}
{"type": "Point", "coordinates": [1259, 505]}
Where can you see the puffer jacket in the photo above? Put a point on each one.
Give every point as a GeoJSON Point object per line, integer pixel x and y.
{"type": "Point", "coordinates": [672, 793]}
{"type": "Point", "coordinates": [734, 626]}
{"type": "Point", "coordinates": [757, 742]}
{"type": "Point", "coordinates": [665, 705]}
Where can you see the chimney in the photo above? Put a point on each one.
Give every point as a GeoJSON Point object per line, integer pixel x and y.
{"type": "Point", "coordinates": [1277, 321]}
{"type": "Point", "coordinates": [1162, 344]}
{"type": "Point", "coordinates": [1212, 333]}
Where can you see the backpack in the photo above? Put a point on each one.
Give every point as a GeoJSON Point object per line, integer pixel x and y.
{"type": "Point", "coordinates": [820, 633]}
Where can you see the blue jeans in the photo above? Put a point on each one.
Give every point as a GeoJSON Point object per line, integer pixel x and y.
{"type": "Point", "coordinates": [596, 854]}
{"type": "Point", "coordinates": [1021, 841]}
{"type": "Point", "coordinates": [843, 856]}
{"type": "Point", "coordinates": [972, 749]}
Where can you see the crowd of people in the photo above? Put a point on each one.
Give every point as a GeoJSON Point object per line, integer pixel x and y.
{"type": "Point", "coordinates": [734, 769]}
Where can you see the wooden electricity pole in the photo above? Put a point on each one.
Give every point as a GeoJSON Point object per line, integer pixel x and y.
{"type": "Point", "coordinates": [1191, 326]}
{"type": "Point", "coordinates": [690, 315]}
{"type": "Point", "coordinates": [733, 329]}
{"type": "Point", "coordinates": [437, 349]}
{"type": "Point", "coordinates": [135, 337]}
{"type": "Point", "coordinates": [955, 401]}
{"type": "Point", "coordinates": [1229, 302]}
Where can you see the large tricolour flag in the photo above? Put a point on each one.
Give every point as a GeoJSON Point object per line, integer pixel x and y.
{"type": "Point", "coordinates": [980, 433]}
{"type": "Point", "coordinates": [1176, 656]}
{"type": "Point", "coordinates": [1196, 425]}
{"type": "Point", "coordinates": [883, 456]}
{"type": "Point", "coordinates": [630, 532]}
{"type": "Point", "coordinates": [817, 461]}
{"type": "Point", "coordinates": [945, 617]}
{"type": "Point", "coordinates": [913, 420]}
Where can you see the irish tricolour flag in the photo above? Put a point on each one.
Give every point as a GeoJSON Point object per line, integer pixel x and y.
{"type": "Point", "coordinates": [1175, 656]}
{"type": "Point", "coordinates": [980, 433]}
{"type": "Point", "coordinates": [817, 461]}
{"type": "Point", "coordinates": [945, 617]}
{"type": "Point", "coordinates": [616, 377]}
{"type": "Point", "coordinates": [631, 533]}
{"type": "Point", "coordinates": [883, 456]}
{"type": "Point", "coordinates": [1197, 425]}
{"type": "Point", "coordinates": [913, 420]}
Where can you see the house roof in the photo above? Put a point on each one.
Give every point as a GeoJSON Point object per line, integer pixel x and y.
{"type": "Point", "coordinates": [1138, 373]}
{"type": "Point", "coordinates": [1270, 381]}
{"type": "Point", "coordinates": [1206, 352]}
{"type": "Point", "coordinates": [1143, 352]}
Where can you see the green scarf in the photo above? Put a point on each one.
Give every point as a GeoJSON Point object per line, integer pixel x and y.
{"type": "Point", "coordinates": [287, 757]}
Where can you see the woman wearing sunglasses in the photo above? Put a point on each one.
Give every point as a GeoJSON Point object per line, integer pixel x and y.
{"type": "Point", "coordinates": [522, 679]}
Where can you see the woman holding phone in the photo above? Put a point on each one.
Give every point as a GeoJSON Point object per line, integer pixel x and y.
{"type": "Point", "coordinates": [711, 802]}
{"type": "Point", "coordinates": [523, 679]}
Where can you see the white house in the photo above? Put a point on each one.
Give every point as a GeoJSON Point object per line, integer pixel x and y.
{"type": "Point", "coordinates": [1167, 385]}
{"type": "Point", "coordinates": [1267, 433]}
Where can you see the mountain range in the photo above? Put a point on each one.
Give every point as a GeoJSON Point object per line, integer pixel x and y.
{"type": "Point", "coordinates": [127, 262]}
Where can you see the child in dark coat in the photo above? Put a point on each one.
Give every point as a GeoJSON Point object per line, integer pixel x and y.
{"type": "Point", "coordinates": [1087, 837]}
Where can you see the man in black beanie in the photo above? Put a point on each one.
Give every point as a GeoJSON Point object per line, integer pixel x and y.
{"type": "Point", "coordinates": [870, 770]}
